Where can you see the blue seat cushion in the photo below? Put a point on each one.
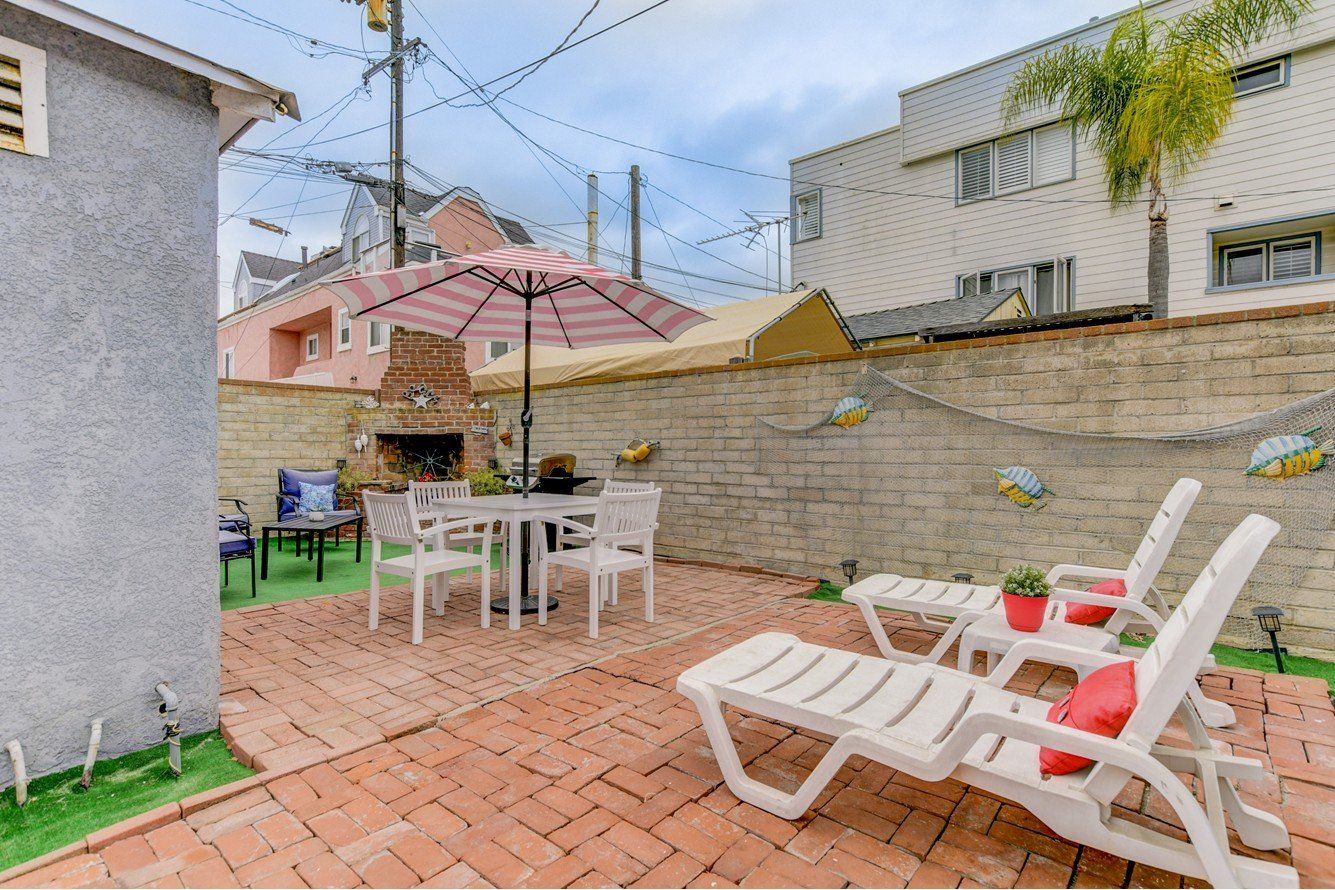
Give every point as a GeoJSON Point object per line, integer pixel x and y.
{"type": "Point", "coordinates": [232, 544]}
{"type": "Point", "coordinates": [233, 517]}
{"type": "Point", "coordinates": [289, 484]}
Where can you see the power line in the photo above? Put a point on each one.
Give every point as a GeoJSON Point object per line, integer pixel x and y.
{"type": "Point", "coordinates": [651, 7]}
{"type": "Point", "coordinates": [251, 18]}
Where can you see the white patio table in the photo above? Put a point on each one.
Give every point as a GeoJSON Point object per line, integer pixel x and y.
{"type": "Point", "coordinates": [518, 510]}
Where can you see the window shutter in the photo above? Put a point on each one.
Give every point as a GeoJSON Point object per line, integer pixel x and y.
{"type": "Point", "coordinates": [975, 173]}
{"type": "Point", "coordinates": [1052, 154]}
{"type": "Point", "coordinates": [1291, 260]}
{"type": "Point", "coordinates": [808, 216]}
{"type": "Point", "coordinates": [11, 105]}
{"type": "Point", "coordinates": [1013, 163]}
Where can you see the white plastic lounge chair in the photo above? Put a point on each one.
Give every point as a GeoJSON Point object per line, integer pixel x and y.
{"type": "Point", "coordinates": [394, 519]}
{"type": "Point", "coordinates": [935, 722]}
{"type": "Point", "coordinates": [1142, 609]}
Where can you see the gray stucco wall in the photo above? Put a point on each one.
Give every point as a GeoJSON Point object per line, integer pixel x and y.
{"type": "Point", "coordinates": [107, 404]}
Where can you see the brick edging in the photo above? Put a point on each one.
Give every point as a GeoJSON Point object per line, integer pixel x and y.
{"type": "Point", "coordinates": [1097, 330]}
{"type": "Point", "coordinates": [736, 567]}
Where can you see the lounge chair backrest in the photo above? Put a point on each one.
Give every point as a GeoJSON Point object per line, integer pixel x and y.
{"type": "Point", "coordinates": [1171, 663]}
{"type": "Point", "coordinates": [632, 511]}
{"type": "Point", "coordinates": [1155, 546]}
{"type": "Point", "coordinates": [612, 486]}
{"type": "Point", "coordinates": [392, 517]}
{"type": "Point", "coordinates": [425, 492]}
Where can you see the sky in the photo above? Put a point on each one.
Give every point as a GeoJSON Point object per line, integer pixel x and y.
{"type": "Point", "coordinates": [744, 83]}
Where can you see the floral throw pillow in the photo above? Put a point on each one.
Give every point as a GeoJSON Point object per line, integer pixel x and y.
{"type": "Point", "coordinates": [315, 498]}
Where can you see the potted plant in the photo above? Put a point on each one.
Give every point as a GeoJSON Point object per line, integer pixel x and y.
{"type": "Point", "coordinates": [1024, 592]}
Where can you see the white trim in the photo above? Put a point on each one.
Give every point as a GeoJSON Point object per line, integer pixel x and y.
{"type": "Point", "coordinates": [313, 340]}
{"type": "Point", "coordinates": [372, 349]}
{"type": "Point", "coordinates": [32, 92]}
{"type": "Point", "coordinates": [1282, 61]}
{"type": "Point", "coordinates": [796, 229]}
{"type": "Point", "coordinates": [344, 324]}
{"type": "Point", "coordinates": [229, 363]}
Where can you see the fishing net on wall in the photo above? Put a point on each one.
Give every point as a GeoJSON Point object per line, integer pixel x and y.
{"type": "Point", "coordinates": [912, 490]}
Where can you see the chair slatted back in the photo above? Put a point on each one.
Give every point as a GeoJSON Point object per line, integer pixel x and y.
{"type": "Point", "coordinates": [425, 492]}
{"type": "Point", "coordinates": [627, 512]}
{"type": "Point", "coordinates": [392, 517]}
{"type": "Point", "coordinates": [1155, 546]}
{"type": "Point", "coordinates": [1166, 670]}
{"type": "Point", "coordinates": [614, 486]}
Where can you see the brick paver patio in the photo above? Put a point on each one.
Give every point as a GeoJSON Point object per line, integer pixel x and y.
{"type": "Point", "coordinates": [602, 777]}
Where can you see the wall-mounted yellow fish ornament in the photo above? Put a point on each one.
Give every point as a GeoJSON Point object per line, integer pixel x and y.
{"type": "Point", "coordinates": [1020, 485]}
{"type": "Point", "coordinates": [636, 451]}
{"type": "Point", "coordinates": [850, 412]}
{"type": "Point", "coordinates": [1280, 457]}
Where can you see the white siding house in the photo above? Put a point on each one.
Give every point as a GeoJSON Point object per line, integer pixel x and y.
{"type": "Point", "coordinates": [948, 203]}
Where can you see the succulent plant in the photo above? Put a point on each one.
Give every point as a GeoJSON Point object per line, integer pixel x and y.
{"type": "Point", "coordinates": [1025, 581]}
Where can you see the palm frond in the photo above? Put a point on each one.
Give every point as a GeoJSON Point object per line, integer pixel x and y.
{"type": "Point", "coordinates": [1235, 26]}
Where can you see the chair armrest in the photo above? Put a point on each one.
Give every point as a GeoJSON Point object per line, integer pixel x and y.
{"type": "Point", "coordinates": [564, 523]}
{"type": "Point", "coordinates": [1120, 603]}
{"type": "Point", "coordinates": [619, 537]}
{"type": "Point", "coordinates": [444, 527]}
{"type": "Point", "coordinates": [1076, 571]}
{"type": "Point", "coordinates": [1051, 653]}
{"type": "Point", "coordinates": [1100, 749]}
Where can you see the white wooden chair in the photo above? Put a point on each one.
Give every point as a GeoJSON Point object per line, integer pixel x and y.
{"type": "Point", "coordinates": [1142, 609]}
{"type": "Point", "coordinates": [425, 492]}
{"type": "Point", "coordinates": [624, 519]}
{"type": "Point", "coordinates": [579, 539]}
{"type": "Point", "coordinates": [394, 519]}
{"type": "Point", "coordinates": [934, 722]}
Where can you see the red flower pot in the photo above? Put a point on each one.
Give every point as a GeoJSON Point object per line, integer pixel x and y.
{"type": "Point", "coordinates": [1024, 613]}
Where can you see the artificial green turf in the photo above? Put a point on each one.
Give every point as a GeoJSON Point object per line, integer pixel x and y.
{"type": "Point", "coordinates": [60, 812]}
{"type": "Point", "coordinates": [292, 577]}
{"type": "Point", "coordinates": [1226, 656]}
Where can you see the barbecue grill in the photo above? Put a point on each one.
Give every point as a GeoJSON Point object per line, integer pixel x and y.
{"type": "Point", "coordinates": [554, 474]}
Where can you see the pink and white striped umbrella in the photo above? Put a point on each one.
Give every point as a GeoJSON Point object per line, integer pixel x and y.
{"type": "Point", "coordinates": [484, 296]}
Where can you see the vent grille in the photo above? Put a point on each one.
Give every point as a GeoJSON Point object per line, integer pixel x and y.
{"type": "Point", "coordinates": [976, 173]}
{"type": "Point", "coordinates": [11, 105]}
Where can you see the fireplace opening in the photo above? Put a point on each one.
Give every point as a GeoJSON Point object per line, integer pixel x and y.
{"type": "Point", "coordinates": [420, 457]}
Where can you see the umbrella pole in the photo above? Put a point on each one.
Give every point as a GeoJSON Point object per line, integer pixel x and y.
{"type": "Point", "coordinates": [526, 421]}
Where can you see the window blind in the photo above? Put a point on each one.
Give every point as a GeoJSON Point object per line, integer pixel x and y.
{"type": "Point", "coordinates": [1013, 163]}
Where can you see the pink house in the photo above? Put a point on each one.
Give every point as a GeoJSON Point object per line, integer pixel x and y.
{"type": "Point", "coordinates": [285, 326]}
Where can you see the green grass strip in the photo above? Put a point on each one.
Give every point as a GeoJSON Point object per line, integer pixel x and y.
{"type": "Point", "coordinates": [60, 812]}
{"type": "Point", "coordinates": [292, 577]}
{"type": "Point", "coordinates": [1225, 656]}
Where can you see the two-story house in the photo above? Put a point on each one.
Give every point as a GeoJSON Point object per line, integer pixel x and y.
{"type": "Point", "coordinates": [285, 326]}
{"type": "Point", "coordinates": [949, 203]}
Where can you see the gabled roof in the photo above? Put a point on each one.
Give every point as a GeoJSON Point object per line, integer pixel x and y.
{"type": "Point", "coordinates": [323, 266]}
{"type": "Point", "coordinates": [425, 205]}
{"type": "Point", "coordinates": [514, 231]}
{"type": "Point", "coordinates": [268, 268]}
{"type": "Point", "coordinates": [912, 319]}
{"type": "Point", "coordinates": [237, 113]}
{"type": "Point", "coordinates": [417, 202]}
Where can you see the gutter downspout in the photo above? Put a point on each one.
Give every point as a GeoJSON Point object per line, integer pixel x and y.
{"type": "Point", "coordinates": [172, 729]}
{"type": "Point", "coordinates": [94, 741]}
{"type": "Point", "coordinates": [20, 772]}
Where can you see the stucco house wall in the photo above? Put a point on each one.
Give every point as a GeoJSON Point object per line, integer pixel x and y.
{"type": "Point", "coordinates": [108, 403]}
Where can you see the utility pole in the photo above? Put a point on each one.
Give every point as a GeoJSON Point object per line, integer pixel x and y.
{"type": "Point", "coordinates": [592, 235]}
{"type": "Point", "coordinates": [635, 221]}
{"type": "Point", "coordinates": [400, 243]}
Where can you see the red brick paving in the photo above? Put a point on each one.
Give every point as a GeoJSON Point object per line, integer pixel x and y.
{"type": "Point", "coordinates": [603, 777]}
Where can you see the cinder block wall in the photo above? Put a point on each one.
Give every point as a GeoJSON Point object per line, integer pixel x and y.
{"type": "Point", "coordinates": [1146, 377]}
{"type": "Point", "coordinates": [264, 426]}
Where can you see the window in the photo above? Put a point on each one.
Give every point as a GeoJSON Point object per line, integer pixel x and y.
{"type": "Point", "coordinates": [344, 330]}
{"type": "Point", "coordinates": [1015, 163]}
{"type": "Point", "coordinates": [377, 337]}
{"type": "Point", "coordinates": [806, 216]}
{"type": "Point", "coordinates": [1047, 286]}
{"type": "Point", "coordinates": [1261, 76]}
{"type": "Point", "coordinates": [23, 98]}
{"type": "Point", "coordinates": [1280, 259]}
{"type": "Point", "coordinates": [312, 347]}
{"type": "Point", "coordinates": [498, 348]}
{"type": "Point", "coordinates": [229, 363]}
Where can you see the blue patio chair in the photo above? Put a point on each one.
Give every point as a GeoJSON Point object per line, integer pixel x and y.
{"type": "Point", "coordinates": [238, 521]}
{"type": "Point", "coordinates": [236, 546]}
{"type": "Point", "coordinates": [289, 497]}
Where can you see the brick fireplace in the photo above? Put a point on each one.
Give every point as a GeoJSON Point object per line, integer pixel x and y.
{"type": "Point", "coordinates": [422, 421]}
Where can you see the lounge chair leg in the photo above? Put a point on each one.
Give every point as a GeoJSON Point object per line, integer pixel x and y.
{"type": "Point", "coordinates": [375, 600]}
{"type": "Point", "coordinates": [1213, 713]}
{"type": "Point", "coordinates": [882, 639]}
{"type": "Point", "coordinates": [1256, 828]}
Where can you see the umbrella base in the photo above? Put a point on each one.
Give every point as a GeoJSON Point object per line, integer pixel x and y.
{"type": "Point", "coordinates": [528, 605]}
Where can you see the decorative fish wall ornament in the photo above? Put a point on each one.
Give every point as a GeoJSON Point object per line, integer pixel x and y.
{"type": "Point", "coordinates": [1020, 485]}
{"type": "Point", "coordinates": [850, 412]}
{"type": "Point", "coordinates": [1281, 457]}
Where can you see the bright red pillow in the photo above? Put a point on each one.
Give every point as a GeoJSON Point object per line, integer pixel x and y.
{"type": "Point", "coordinates": [1101, 703]}
{"type": "Point", "coordinates": [1083, 613]}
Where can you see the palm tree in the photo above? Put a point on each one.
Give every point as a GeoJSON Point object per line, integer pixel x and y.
{"type": "Point", "coordinates": [1152, 100]}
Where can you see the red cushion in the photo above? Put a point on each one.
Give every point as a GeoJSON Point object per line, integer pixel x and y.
{"type": "Point", "coordinates": [1101, 703]}
{"type": "Point", "coordinates": [1083, 613]}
